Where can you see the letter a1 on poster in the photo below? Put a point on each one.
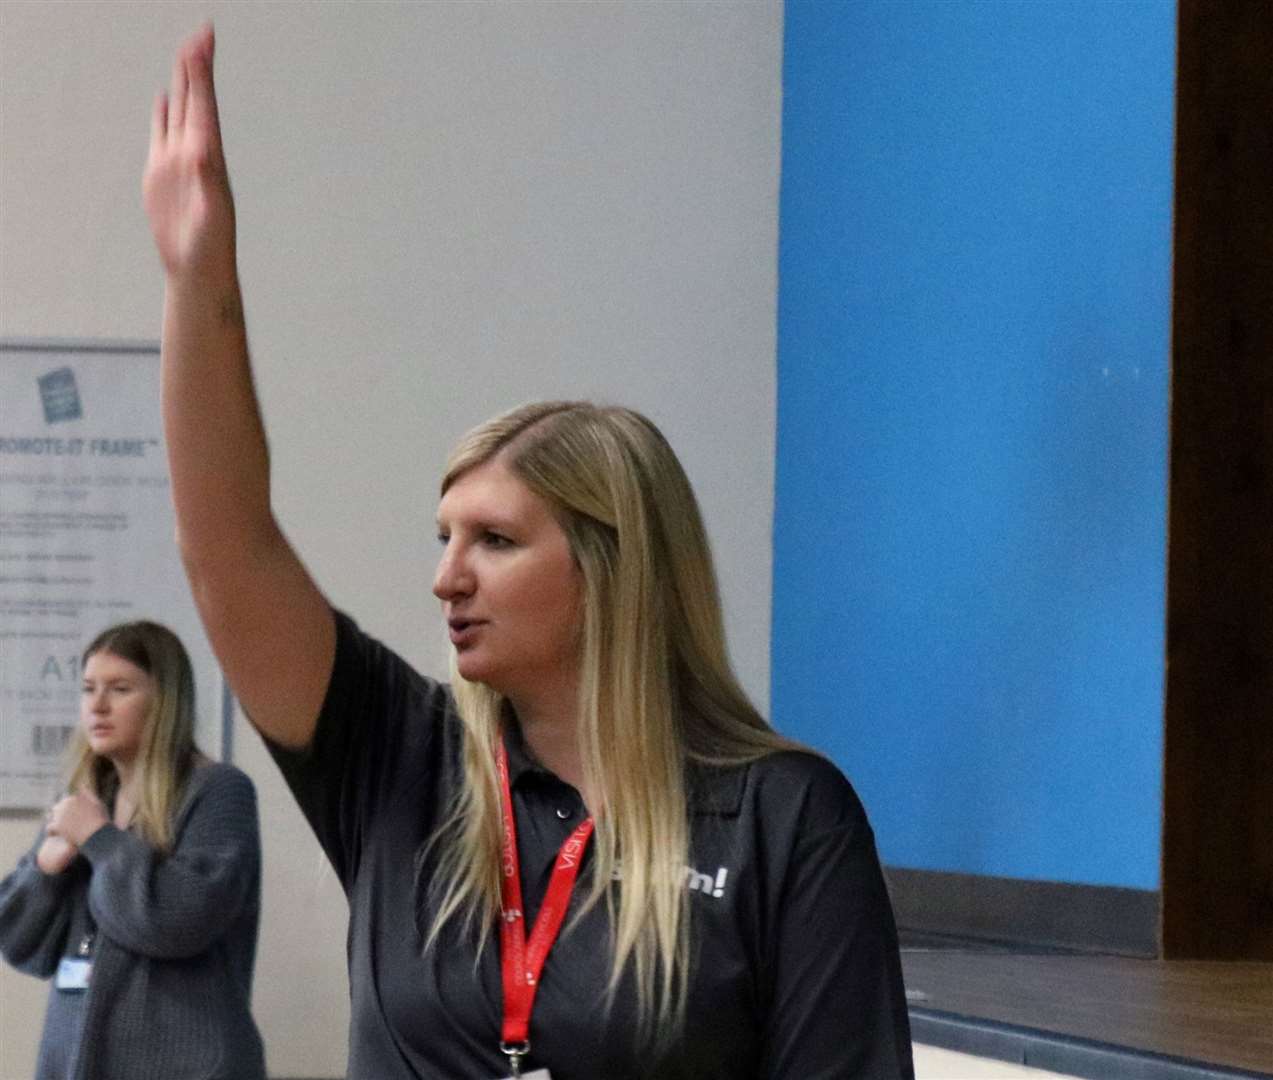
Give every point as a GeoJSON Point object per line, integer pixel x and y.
{"type": "Point", "coordinates": [86, 541]}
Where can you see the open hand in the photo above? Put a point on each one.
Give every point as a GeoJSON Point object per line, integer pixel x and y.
{"type": "Point", "coordinates": [76, 817]}
{"type": "Point", "coordinates": [185, 188]}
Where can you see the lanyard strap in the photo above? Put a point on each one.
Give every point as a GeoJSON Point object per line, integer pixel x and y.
{"type": "Point", "coordinates": [522, 961]}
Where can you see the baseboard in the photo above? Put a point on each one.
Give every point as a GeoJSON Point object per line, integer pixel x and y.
{"type": "Point", "coordinates": [1046, 914]}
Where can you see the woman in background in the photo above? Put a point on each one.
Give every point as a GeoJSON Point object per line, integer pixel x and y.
{"type": "Point", "coordinates": [728, 919]}
{"type": "Point", "coordinates": [141, 896]}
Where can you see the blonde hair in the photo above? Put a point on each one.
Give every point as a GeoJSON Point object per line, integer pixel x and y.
{"type": "Point", "coordinates": [656, 692]}
{"type": "Point", "coordinates": [167, 751]}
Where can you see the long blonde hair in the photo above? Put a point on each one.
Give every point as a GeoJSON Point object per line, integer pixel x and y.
{"type": "Point", "coordinates": [656, 692]}
{"type": "Point", "coordinates": [167, 751]}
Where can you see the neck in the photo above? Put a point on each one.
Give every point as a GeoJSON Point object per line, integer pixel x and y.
{"type": "Point", "coordinates": [126, 798]}
{"type": "Point", "coordinates": [127, 773]}
{"type": "Point", "coordinates": [550, 735]}
{"type": "Point", "coordinates": [554, 746]}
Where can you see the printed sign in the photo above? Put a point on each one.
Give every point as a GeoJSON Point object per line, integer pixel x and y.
{"type": "Point", "coordinates": [86, 541]}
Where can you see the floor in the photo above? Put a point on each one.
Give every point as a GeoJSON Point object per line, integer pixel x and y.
{"type": "Point", "coordinates": [933, 1063]}
{"type": "Point", "coordinates": [1147, 1017]}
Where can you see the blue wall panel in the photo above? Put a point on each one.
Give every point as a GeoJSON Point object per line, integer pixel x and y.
{"type": "Point", "coordinates": [970, 507]}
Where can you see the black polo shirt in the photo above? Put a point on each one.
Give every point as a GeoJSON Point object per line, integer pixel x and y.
{"type": "Point", "coordinates": [795, 971]}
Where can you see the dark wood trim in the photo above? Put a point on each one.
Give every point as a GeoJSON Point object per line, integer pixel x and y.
{"type": "Point", "coordinates": [1184, 1010]}
{"type": "Point", "coordinates": [1218, 771]}
{"type": "Point", "coordinates": [1034, 914]}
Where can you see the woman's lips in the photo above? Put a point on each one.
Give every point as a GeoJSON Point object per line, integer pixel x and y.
{"type": "Point", "coordinates": [463, 631]}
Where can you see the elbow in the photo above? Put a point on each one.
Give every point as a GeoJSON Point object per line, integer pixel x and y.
{"type": "Point", "coordinates": [37, 966]}
{"type": "Point", "coordinates": [29, 958]}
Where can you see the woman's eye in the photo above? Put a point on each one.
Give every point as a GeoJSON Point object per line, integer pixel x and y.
{"type": "Point", "coordinates": [492, 539]}
{"type": "Point", "coordinates": [443, 538]}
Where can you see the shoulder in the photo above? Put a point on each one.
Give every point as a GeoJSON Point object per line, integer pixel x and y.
{"type": "Point", "coordinates": [210, 775]}
{"type": "Point", "coordinates": [221, 784]}
{"type": "Point", "coordinates": [808, 784]}
{"type": "Point", "coordinates": [368, 673]}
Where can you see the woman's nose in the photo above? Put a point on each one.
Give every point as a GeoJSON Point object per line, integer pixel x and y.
{"type": "Point", "coordinates": [452, 578]}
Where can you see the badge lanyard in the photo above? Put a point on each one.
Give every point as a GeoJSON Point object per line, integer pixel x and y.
{"type": "Point", "coordinates": [522, 961]}
{"type": "Point", "coordinates": [74, 972]}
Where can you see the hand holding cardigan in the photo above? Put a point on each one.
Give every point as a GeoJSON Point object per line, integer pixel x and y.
{"type": "Point", "coordinates": [55, 855]}
{"type": "Point", "coordinates": [75, 818]}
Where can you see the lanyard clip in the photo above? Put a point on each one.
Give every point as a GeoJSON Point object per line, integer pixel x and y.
{"type": "Point", "coordinates": [515, 1052]}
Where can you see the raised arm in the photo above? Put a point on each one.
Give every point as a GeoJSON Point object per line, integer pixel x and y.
{"type": "Point", "coordinates": [269, 624]}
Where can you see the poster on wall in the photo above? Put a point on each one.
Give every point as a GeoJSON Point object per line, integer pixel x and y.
{"type": "Point", "coordinates": [86, 541]}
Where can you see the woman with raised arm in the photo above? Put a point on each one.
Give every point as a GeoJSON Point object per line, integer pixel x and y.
{"type": "Point", "coordinates": [141, 896]}
{"type": "Point", "coordinates": [588, 857]}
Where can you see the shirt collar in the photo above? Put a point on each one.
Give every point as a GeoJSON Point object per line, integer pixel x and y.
{"type": "Point", "coordinates": [712, 789]}
{"type": "Point", "coordinates": [521, 763]}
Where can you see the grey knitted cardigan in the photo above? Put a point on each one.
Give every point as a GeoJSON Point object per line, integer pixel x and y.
{"type": "Point", "coordinates": [174, 946]}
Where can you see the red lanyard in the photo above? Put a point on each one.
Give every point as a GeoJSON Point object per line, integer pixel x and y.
{"type": "Point", "coordinates": [522, 961]}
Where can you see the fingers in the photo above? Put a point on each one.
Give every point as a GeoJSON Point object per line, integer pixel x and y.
{"type": "Point", "coordinates": [191, 99]}
{"type": "Point", "coordinates": [58, 809]}
{"type": "Point", "coordinates": [177, 92]}
{"type": "Point", "coordinates": [159, 120]}
{"type": "Point", "coordinates": [88, 795]}
{"type": "Point", "coordinates": [201, 108]}
{"type": "Point", "coordinates": [76, 817]}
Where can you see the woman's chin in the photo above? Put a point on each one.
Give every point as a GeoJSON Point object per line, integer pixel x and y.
{"type": "Point", "coordinates": [113, 751]}
{"type": "Point", "coordinates": [483, 675]}
{"type": "Point", "coordinates": [472, 669]}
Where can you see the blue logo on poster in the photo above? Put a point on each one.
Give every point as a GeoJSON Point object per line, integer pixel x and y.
{"type": "Point", "coordinates": [60, 396]}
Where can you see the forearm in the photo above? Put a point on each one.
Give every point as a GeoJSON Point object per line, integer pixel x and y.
{"type": "Point", "coordinates": [217, 449]}
{"type": "Point", "coordinates": [268, 623]}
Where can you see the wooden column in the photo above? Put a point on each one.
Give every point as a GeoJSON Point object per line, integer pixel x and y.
{"type": "Point", "coordinates": [1217, 890]}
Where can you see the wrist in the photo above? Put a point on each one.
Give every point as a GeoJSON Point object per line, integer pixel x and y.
{"type": "Point", "coordinates": [203, 286]}
{"type": "Point", "coordinates": [204, 306]}
{"type": "Point", "coordinates": [89, 831]}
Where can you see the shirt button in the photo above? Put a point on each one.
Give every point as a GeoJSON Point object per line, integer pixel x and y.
{"type": "Point", "coordinates": [563, 813]}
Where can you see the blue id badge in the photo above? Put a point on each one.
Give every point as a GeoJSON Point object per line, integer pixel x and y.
{"type": "Point", "coordinates": [73, 973]}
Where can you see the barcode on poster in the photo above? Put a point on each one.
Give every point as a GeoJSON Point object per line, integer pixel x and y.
{"type": "Point", "coordinates": [48, 740]}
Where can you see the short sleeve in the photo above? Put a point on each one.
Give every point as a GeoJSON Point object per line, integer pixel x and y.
{"type": "Point", "coordinates": [379, 730]}
{"type": "Point", "coordinates": [837, 1004]}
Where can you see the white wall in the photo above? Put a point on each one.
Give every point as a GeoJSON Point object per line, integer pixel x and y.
{"type": "Point", "coordinates": [445, 209]}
